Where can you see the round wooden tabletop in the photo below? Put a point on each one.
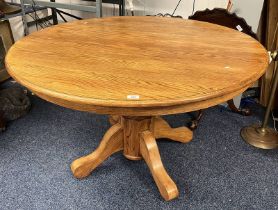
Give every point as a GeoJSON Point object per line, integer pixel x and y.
{"type": "Point", "coordinates": [137, 65]}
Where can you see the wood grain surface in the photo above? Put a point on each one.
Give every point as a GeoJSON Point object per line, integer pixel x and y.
{"type": "Point", "coordinates": [137, 65]}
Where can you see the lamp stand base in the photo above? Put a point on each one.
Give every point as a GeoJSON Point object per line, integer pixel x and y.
{"type": "Point", "coordinates": [258, 137]}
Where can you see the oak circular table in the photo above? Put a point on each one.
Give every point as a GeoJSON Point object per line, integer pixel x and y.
{"type": "Point", "coordinates": [137, 69]}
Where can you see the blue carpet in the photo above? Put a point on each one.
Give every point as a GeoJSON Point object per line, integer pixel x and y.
{"type": "Point", "coordinates": [217, 170]}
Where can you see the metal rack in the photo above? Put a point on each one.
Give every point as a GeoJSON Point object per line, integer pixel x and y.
{"type": "Point", "coordinates": [28, 10]}
{"type": "Point", "coordinates": [121, 4]}
{"type": "Point", "coordinates": [53, 5]}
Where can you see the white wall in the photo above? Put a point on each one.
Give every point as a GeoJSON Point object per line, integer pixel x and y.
{"type": "Point", "coordinates": [185, 7]}
{"type": "Point", "coordinates": [248, 9]}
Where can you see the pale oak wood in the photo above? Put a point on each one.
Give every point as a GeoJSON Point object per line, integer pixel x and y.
{"type": "Point", "coordinates": [142, 111]}
{"type": "Point", "coordinates": [113, 119]}
{"type": "Point", "coordinates": [167, 62]}
{"type": "Point", "coordinates": [136, 137]}
{"type": "Point", "coordinates": [133, 126]}
{"type": "Point", "coordinates": [163, 130]}
{"type": "Point", "coordinates": [173, 66]}
{"type": "Point", "coordinates": [150, 153]}
{"type": "Point", "coordinates": [111, 143]}
{"type": "Point", "coordinates": [160, 129]}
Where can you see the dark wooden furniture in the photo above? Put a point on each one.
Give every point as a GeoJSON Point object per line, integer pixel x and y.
{"type": "Point", "coordinates": [268, 36]}
{"type": "Point", "coordinates": [224, 18]}
{"type": "Point", "coordinates": [2, 122]}
{"type": "Point", "coordinates": [8, 9]}
{"type": "Point", "coordinates": [6, 41]}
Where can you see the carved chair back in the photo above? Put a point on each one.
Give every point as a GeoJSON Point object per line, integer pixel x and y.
{"type": "Point", "coordinates": [224, 18]}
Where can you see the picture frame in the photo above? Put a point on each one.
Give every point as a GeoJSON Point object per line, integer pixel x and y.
{"type": "Point", "coordinates": [6, 41]}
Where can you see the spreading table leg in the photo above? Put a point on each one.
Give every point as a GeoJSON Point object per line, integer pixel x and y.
{"type": "Point", "coordinates": [111, 143]}
{"type": "Point", "coordinates": [136, 136]}
{"type": "Point", "coordinates": [163, 130]}
{"type": "Point", "coordinates": [150, 153]}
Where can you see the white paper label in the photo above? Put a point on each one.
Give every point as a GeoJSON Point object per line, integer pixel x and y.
{"type": "Point", "coordinates": [133, 97]}
{"type": "Point", "coordinates": [238, 27]}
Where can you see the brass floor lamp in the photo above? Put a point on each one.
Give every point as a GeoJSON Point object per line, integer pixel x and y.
{"type": "Point", "coordinates": [262, 136]}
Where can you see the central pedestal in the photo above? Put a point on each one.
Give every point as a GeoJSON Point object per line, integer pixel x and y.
{"type": "Point", "coordinates": [133, 127]}
{"type": "Point", "coordinates": [136, 136]}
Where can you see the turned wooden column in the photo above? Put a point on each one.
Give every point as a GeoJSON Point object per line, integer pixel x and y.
{"type": "Point", "coordinates": [133, 127]}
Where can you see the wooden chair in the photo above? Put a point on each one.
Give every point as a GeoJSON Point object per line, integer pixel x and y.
{"type": "Point", "coordinates": [224, 18]}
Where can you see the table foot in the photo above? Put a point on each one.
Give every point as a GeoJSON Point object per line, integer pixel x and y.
{"type": "Point", "coordinates": [150, 153]}
{"type": "Point", "coordinates": [163, 130]}
{"type": "Point", "coordinates": [111, 143]}
{"type": "Point", "coordinates": [136, 136]}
